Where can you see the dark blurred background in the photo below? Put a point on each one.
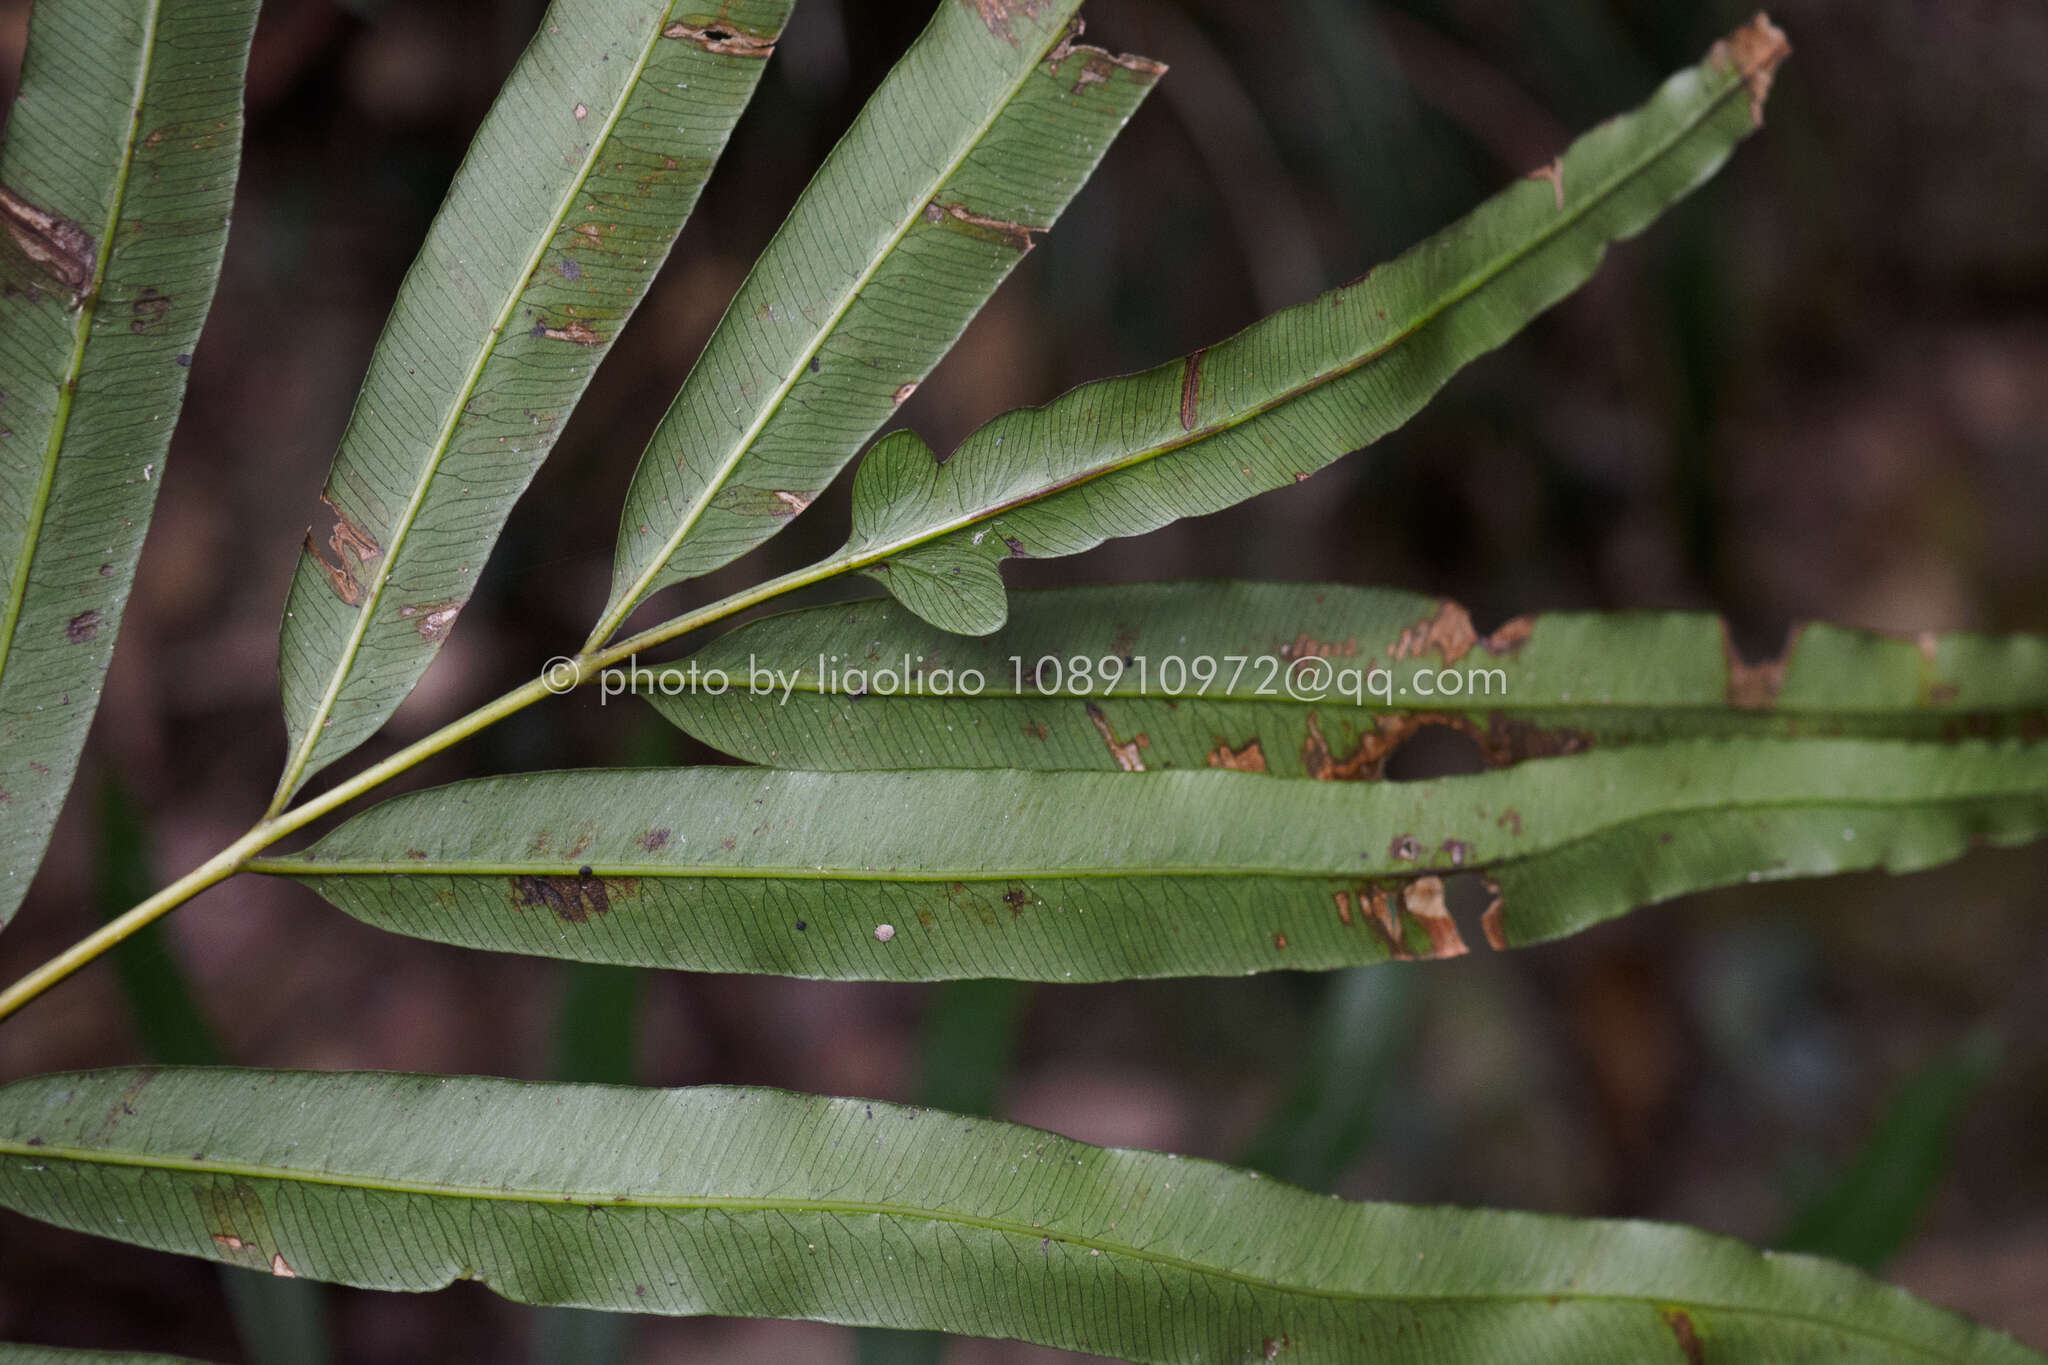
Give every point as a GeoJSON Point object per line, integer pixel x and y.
{"type": "Point", "coordinates": [1815, 390]}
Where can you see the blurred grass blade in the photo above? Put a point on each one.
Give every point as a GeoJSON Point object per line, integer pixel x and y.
{"type": "Point", "coordinates": [567, 203]}
{"type": "Point", "coordinates": [1280, 678]}
{"type": "Point", "coordinates": [1364, 1027]}
{"type": "Point", "coordinates": [597, 1037]}
{"type": "Point", "coordinates": [1104, 876]}
{"type": "Point", "coordinates": [971, 148]}
{"type": "Point", "coordinates": [967, 1041]}
{"type": "Point", "coordinates": [116, 178]}
{"type": "Point", "coordinates": [770, 1204]}
{"type": "Point", "coordinates": [1870, 1213]}
{"type": "Point", "coordinates": [1287, 396]}
{"type": "Point", "coordinates": [280, 1322]}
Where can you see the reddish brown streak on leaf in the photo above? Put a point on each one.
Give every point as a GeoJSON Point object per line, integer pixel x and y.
{"type": "Point", "coordinates": [1001, 15]}
{"type": "Point", "coordinates": [577, 331]}
{"type": "Point", "coordinates": [62, 249]}
{"type": "Point", "coordinates": [574, 899]}
{"type": "Point", "coordinates": [1688, 1338]}
{"type": "Point", "coordinates": [1755, 51]}
{"type": "Point", "coordinates": [1190, 390]}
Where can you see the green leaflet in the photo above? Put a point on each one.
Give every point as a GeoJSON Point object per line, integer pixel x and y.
{"type": "Point", "coordinates": [770, 1204]}
{"type": "Point", "coordinates": [1301, 388]}
{"type": "Point", "coordinates": [569, 199]}
{"type": "Point", "coordinates": [974, 144]}
{"type": "Point", "coordinates": [1105, 876]}
{"type": "Point", "coordinates": [1305, 680]}
{"type": "Point", "coordinates": [116, 179]}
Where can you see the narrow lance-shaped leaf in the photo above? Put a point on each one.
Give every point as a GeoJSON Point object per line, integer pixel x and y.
{"type": "Point", "coordinates": [1292, 393]}
{"type": "Point", "coordinates": [116, 180]}
{"type": "Point", "coordinates": [566, 205]}
{"type": "Point", "coordinates": [972, 147]}
{"type": "Point", "coordinates": [1305, 680]}
{"type": "Point", "coordinates": [1105, 876]}
{"type": "Point", "coordinates": [769, 1204]}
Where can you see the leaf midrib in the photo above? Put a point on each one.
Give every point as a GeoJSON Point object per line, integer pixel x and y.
{"type": "Point", "coordinates": [88, 308]}
{"type": "Point", "coordinates": [623, 606]}
{"type": "Point", "coordinates": [848, 1208]}
{"type": "Point", "coordinates": [309, 867]}
{"type": "Point", "coordinates": [855, 556]}
{"type": "Point", "coordinates": [316, 726]}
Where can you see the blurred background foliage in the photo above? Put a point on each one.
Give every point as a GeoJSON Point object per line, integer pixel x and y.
{"type": "Point", "coordinates": [1816, 390]}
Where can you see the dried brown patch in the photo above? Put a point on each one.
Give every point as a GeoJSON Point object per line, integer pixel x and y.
{"type": "Point", "coordinates": [1247, 758]}
{"type": "Point", "coordinates": [1754, 51]}
{"type": "Point", "coordinates": [82, 627]}
{"type": "Point", "coordinates": [352, 546]}
{"type": "Point", "coordinates": [1490, 922]}
{"type": "Point", "coordinates": [148, 311]}
{"type": "Point", "coordinates": [59, 247]}
{"type": "Point", "coordinates": [282, 1268]}
{"type": "Point", "coordinates": [1755, 686]}
{"type": "Point", "coordinates": [1125, 752]}
{"type": "Point", "coordinates": [572, 900]}
{"type": "Point", "coordinates": [1423, 899]}
{"type": "Point", "coordinates": [1001, 15]}
{"type": "Point", "coordinates": [902, 393]}
{"type": "Point", "coordinates": [1014, 235]}
{"type": "Point", "coordinates": [723, 39]}
{"type": "Point", "coordinates": [1554, 173]}
{"type": "Point", "coordinates": [1688, 1337]}
{"type": "Point", "coordinates": [655, 840]}
{"type": "Point", "coordinates": [432, 619]}
{"type": "Point", "coordinates": [577, 331]}
{"type": "Point", "coordinates": [1343, 899]}
{"type": "Point", "coordinates": [792, 503]}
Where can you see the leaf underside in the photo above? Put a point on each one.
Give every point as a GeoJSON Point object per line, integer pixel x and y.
{"type": "Point", "coordinates": [567, 203]}
{"type": "Point", "coordinates": [116, 180]}
{"type": "Point", "coordinates": [1303, 387]}
{"type": "Point", "coordinates": [1281, 679]}
{"type": "Point", "coordinates": [15, 1353]}
{"type": "Point", "coordinates": [1078, 876]}
{"type": "Point", "coordinates": [970, 149]}
{"type": "Point", "coordinates": [769, 1204]}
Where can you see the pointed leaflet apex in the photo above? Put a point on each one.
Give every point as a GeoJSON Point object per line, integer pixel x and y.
{"type": "Point", "coordinates": [1307, 385]}
{"type": "Point", "coordinates": [567, 203]}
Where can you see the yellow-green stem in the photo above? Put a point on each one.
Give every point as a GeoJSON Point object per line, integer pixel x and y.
{"type": "Point", "coordinates": [562, 677]}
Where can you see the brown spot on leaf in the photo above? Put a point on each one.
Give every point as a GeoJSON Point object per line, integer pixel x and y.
{"type": "Point", "coordinates": [573, 900]}
{"type": "Point", "coordinates": [1280, 942]}
{"type": "Point", "coordinates": [1423, 899]}
{"type": "Point", "coordinates": [149, 309]}
{"type": "Point", "coordinates": [1014, 235]}
{"type": "Point", "coordinates": [1124, 752]}
{"type": "Point", "coordinates": [792, 503]}
{"type": "Point", "coordinates": [1037, 730]}
{"type": "Point", "coordinates": [229, 1241]}
{"type": "Point", "coordinates": [1754, 51]}
{"type": "Point", "coordinates": [903, 392]}
{"type": "Point", "coordinates": [1001, 15]}
{"type": "Point", "coordinates": [1688, 1338]}
{"type": "Point", "coordinates": [1097, 62]}
{"type": "Point", "coordinates": [82, 627]}
{"type": "Point", "coordinates": [1016, 898]}
{"type": "Point", "coordinates": [1191, 389]}
{"type": "Point", "coordinates": [654, 840]}
{"type": "Point", "coordinates": [1343, 899]}
{"type": "Point", "coordinates": [59, 247]}
{"type": "Point", "coordinates": [433, 619]}
{"type": "Point", "coordinates": [281, 1268]}
{"type": "Point", "coordinates": [347, 541]}
{"type": "Point", "coordinates": [1490, 921]}
{"type": "Point", "coordinates": [577, 331]}
{"type": "Point", "coordinates": [1449, 632]}
{"type": "Point", "coordinates": [1554, 173]}
{"type": "Point", "coordinates": [723, 39]}
{"type": "Point", "coordinates": [1246, 758]}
